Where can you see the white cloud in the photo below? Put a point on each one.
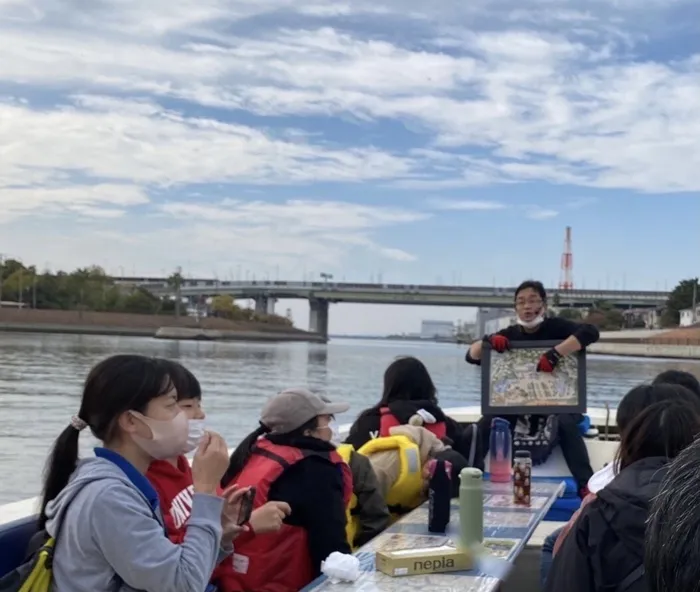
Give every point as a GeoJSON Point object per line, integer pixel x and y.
{"type": "Point", "coordinates": [87, 200]}
{"type": "Point", "coordinates": [135, 119]}
{"type": "Point", "coordinates": [536, 213]}
{"type": "Point", "coordinates": [467, 204]}
{"type": "Point", "coordinates": [141, 142]}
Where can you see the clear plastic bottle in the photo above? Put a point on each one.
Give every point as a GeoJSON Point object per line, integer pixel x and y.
{"type": "Point", "coordinates": [500, 451]}
{"type": "Point", "coordinates": [471, 508]}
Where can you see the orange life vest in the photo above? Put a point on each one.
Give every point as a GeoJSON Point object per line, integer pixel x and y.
{"type": "Point", "coordinates": [388, 420]}
{"type": "Point", "coordinates": [275, 562]}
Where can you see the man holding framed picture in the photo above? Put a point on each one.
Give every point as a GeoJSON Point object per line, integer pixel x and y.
{"type": "Point", "coordinates": [533, 325]}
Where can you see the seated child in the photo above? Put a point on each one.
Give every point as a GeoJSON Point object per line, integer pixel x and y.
{"type": "Point", "coordinates": [172, 478]}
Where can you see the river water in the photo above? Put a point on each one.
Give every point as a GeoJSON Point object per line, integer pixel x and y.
{"type": "Point", "coordinates": [41, 378]}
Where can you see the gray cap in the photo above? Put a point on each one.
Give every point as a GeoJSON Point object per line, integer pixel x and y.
{"type": "Point", "coordinates": [292, 408]}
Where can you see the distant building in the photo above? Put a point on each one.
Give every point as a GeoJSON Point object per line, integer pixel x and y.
{"type": "Point", "coordinates": [647, 318]}
{"type": "Point", "coordinates": [437, 329]}
{"type": "Point", "coordinates": [495, 325]}
{"type": "Point", "coordinates": [486, 315]}
{"type": "Point", "coordinates": [687, 318]}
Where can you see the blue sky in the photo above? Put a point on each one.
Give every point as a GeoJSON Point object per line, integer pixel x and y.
{"type": "Point", "coordinates": [419, 142]}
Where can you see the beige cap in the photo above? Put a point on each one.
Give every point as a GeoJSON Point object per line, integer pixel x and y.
{"type": "Point", "coordinates": [292, 408]}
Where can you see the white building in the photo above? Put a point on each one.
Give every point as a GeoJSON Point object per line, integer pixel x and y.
{"type": "Point", "coordinates": [495, 325]}
{"type": "Point", "coordinates": [487, 315]}
{"type": "Point", "coordinates": [687, 316]}
{"type": "Point", "coordinates": [437, 329]}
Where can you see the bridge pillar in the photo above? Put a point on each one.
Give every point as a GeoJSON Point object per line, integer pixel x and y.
{"type": "Point", "coordinates": [318, 317]}
{"type": "Point", "coordinates": [263, 304]}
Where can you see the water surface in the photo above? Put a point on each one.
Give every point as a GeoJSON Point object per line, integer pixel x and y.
{"type": "Point", "coordinates": [41, 378]}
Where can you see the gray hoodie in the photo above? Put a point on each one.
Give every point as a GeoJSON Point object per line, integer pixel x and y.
{"type": "Point", "coordinates": [111, 541]}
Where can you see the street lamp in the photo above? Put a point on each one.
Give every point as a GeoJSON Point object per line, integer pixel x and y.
{"type": "Point", "coordinates": [326, 276]}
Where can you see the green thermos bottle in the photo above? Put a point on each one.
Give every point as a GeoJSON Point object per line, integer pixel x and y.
{"type": "Point", "coordinates": [471, 508]}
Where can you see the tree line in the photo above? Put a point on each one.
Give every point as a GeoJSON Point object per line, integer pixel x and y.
{"type": "Point", "coordinates": [90, 288]}
{"type": "Point", "coordinates": [608, 318]}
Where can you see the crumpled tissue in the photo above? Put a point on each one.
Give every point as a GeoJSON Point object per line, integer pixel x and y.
{"type": "Point", "coordinates": [340, 567]}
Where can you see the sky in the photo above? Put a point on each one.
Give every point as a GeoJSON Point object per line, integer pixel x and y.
{"type": "Point", "coordinates": [384, 140]}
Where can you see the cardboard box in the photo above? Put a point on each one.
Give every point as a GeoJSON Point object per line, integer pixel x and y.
{"type": "Point", "coordinates": [413, 562]}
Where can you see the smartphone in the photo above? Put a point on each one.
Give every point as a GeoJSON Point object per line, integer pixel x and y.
{"type": "Point", "coordinates": [246, 507]}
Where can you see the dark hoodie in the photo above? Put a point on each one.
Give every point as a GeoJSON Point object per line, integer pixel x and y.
{"type": "Point", "coordinates": [607, 542]}
{"type": "Point", "coordinates": [313, 488]}
{"type": "Point", "coordinates": [366, 427]}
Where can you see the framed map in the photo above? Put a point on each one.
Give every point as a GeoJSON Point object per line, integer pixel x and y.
{"type": "Point", "coordinates": [511, 385]}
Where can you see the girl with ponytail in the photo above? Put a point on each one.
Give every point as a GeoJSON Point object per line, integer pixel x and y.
{"type": "Point", "coordinates": [102, 510]}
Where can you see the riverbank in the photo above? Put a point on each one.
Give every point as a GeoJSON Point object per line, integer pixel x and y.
{"type": "Point", "coordinates": [75, 322]}
{"type": "Point", "coordinates": [680, 344]}
{"type": "Point", "coordinates": [646, 350]}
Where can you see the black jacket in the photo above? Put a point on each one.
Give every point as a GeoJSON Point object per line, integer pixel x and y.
{"type": "Point", "coordinates": [607, 542]}
{"type": "Point", "coordinates": [313, 488]}
{"type": "Point", "coordinates": [551, 329]}
{"type": "Point", "coordinates": [366, 427]}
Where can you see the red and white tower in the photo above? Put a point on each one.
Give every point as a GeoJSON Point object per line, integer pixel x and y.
{"type": "Point", "coordinates": [566, 281]}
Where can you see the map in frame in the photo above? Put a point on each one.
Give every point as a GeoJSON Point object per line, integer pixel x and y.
{"type": "Point", "coordinates": [511, 383]}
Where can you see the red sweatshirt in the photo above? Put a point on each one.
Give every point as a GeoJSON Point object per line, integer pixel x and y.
{"type": "Point", "coordinates": [175, 489]}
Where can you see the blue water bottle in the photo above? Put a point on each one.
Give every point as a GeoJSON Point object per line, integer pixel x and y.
{"type": "Point", "coordinates": [501, 451]}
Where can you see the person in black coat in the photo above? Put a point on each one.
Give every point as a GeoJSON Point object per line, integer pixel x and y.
{"type": "Point", "coordinates": [604, 551]}
{"type": "Point", "coordinates": [409, 390]}
{"type": "Point", "coordinates": [533, 325]}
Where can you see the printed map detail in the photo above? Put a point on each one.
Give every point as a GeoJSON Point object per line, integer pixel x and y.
{"type": "Point", "coordinates": [514, 380]}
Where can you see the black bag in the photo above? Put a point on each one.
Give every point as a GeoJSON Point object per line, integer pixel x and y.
{"type": "Point", "coordinates": [34, 575]}
{"type": "Point", "coordinates": [538, 434]}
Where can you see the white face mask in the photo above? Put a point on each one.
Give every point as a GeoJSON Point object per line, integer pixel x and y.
{"type": "Point", "coordinates": [197, 428]}
{"type": "Point", "coordinates": [168, 437]}
{"type": "Point", "coordinates": [335, 432]}
{"type": "Point", "coordinates": [538, 320]}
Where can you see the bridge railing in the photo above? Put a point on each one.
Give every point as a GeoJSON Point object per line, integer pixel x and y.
{"type": "Point", "coordinates": [404, 288]}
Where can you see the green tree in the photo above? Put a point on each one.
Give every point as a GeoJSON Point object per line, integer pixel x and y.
{"type": "Point", "coordinates": [141, 301]}
{"type": "Point", "coordinates": [605, 316]}
{"type": "Point", "coordinates": [573, 314]}
{"type": "Point", "coordinates": [681, 297]}
{"type": "Point", "coordinates": [175, 282]}
{"type": "Point", "coordinates": [223, 306]}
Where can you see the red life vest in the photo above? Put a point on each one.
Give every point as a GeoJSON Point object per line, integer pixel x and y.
{"type": "Point", "coordinates": [275, 562]}
{"type": "Point", "coordinates": [388, 420]}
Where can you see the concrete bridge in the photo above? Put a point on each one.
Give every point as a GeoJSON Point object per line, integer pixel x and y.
{"type": "Point", "coordinates": [321, 294]}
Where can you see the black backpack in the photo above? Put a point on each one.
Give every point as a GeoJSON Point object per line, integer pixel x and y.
{"type": "Point", "coordinates": [632, 578]}
{"type": "Point", "coordinates": [538, 434]}
{"type": "Point", "coordinates": [34, 575]}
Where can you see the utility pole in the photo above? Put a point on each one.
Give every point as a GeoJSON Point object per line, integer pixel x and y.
{"type": "Point", "coordinates": [695, 300]}
{"type": "Point", "coordinates": [178, 291]}
{"type": "Point", "coordinates": [2, 271]}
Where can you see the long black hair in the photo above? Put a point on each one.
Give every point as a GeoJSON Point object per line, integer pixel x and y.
{"type": "Point", "coordinates": [115, 385]}
{"type": "Point", "coordinates": [663, 429]}
{"type": "Point", "coordinates": [240, 456]}
{"type": "Point", "coordinates": [681, 377]}
{"type": "Point", "coordinates": [405, 379]}
{"type": "Point", "coordinates": [643, 396]}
